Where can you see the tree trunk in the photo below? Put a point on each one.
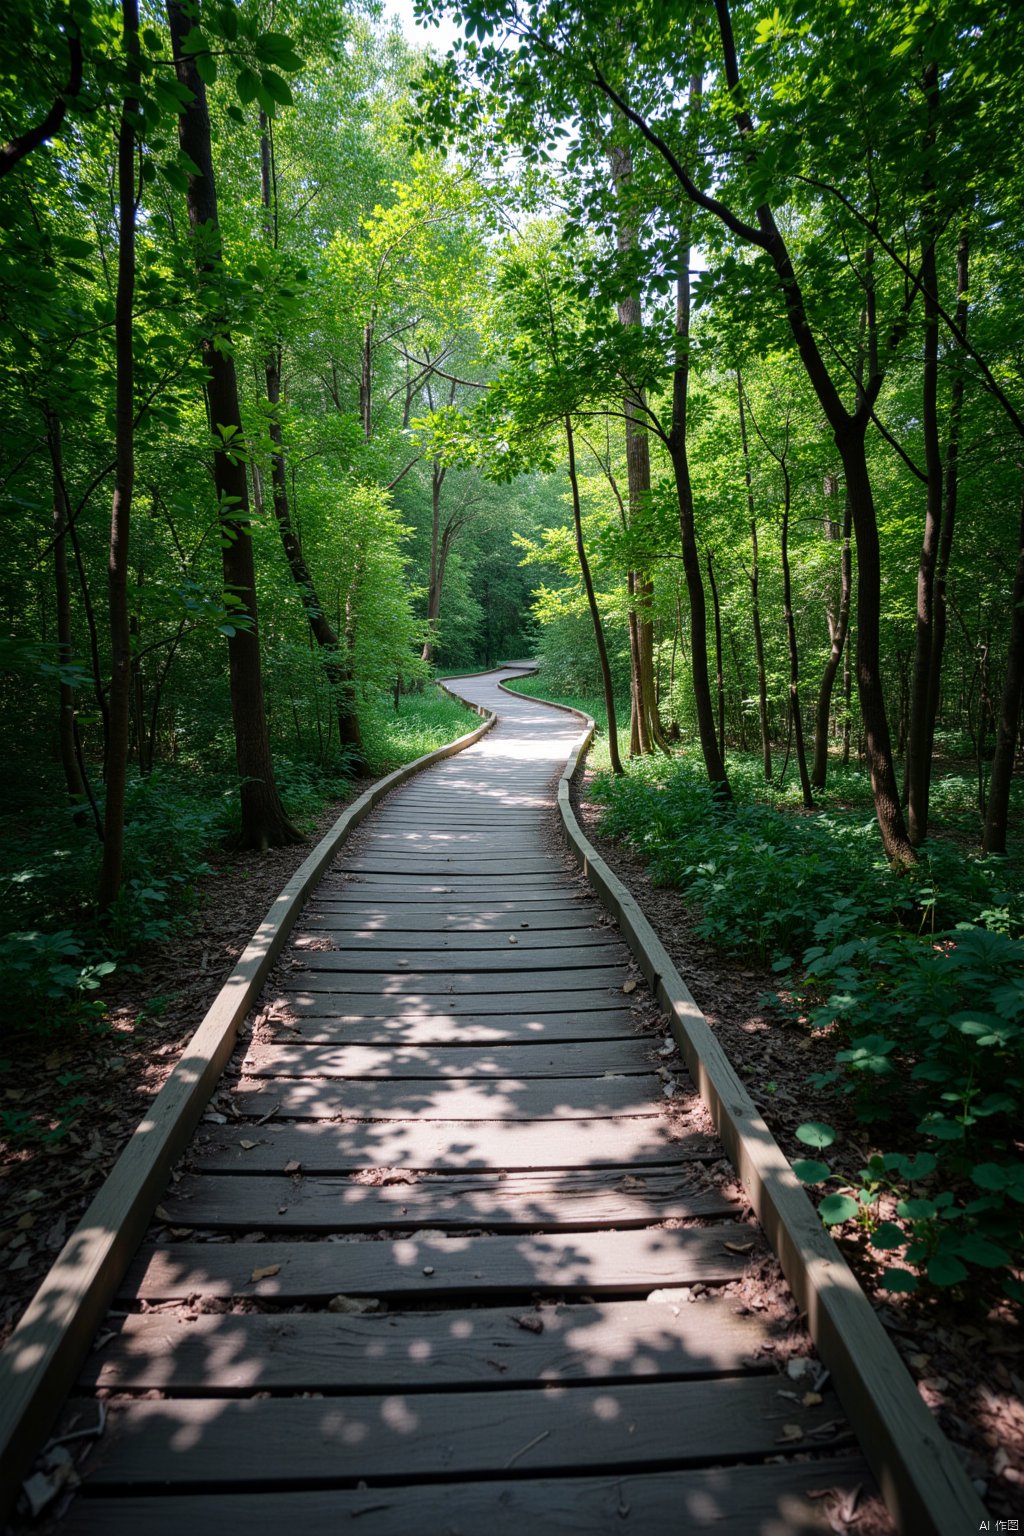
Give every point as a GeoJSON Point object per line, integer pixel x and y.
{"type": "Point", "coordinates": [264, 822]}
{"type": "Point", "coordinates": [436, 580]}
{"type": "Point", "coordinates": [677, 448]}
{"type": "Point", "coordinates": [75, 778]}
{"type": "Point", "coordinates": [119, 693]}
{"type": "Point", "coordinates": [840, 629]}
{"type": "Point", "coordinates": [648, 733]}
{"type": "Point", "coordinates": [795, 718]}
{"type": "Point", "coordinates": [719, 671]}
{"type": "Point", "coordinates": [755, 607]}
{"type": "Point", "coordinates": [877, 741]}
{"type": "Point", "coordinates": [998, 809]}
{"type": "Point", "coordinates": [951, 485]}
{"type": "Point", "coordinates": [602, 649]}
{"type": "Point", "coordinates": [919, 762]}
{"type": "Point", "coordinates": [334, 662]}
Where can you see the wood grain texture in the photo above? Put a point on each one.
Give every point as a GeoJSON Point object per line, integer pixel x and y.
{"type": "Point", "coordinates": [342, 1148]}
{"type": "Point", "coordinates": [333, 1441]}
{"type": "Point", "coordinates": [492, 1099]}
{"type": "Point", "coordinates": [787, 1500]}
{"type": "Point", "coordinates": [425, 1266]}
{"type": "Point", "coordinates": [588, 1058]}
{"type": "Point", "coordinates": [567, 1199]}
{"type": "Point", "coordinates": [424, 1351]}
{"type": "Point", "coordinates": [448, 1026]}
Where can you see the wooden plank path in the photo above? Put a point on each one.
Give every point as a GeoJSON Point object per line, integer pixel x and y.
{"type": "Point", "coordinates": [446, 1256]}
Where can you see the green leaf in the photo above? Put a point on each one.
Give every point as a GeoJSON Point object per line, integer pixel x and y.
{"type": "Point", "coordinates": [978, 1250]}
{"type": "Point", "coordinates": [888, 1235]}
{"type": "Point", "coordinates": [247, 84]}
{"type": "Point", "coordinates": [814, 1134]}
{"type": "Point", "coordinates": [206, 68]}
{"type": "Point", "coordinates": [945, 1270]}
{"type": "Point", "coordinates": [899, 1280]}
{"type": "Point", "coordinates": [277, 87]}
{"type": "Point", "coordinates": [810, 1172]}
{"type": "Point", "coordinates": [837, 1208]}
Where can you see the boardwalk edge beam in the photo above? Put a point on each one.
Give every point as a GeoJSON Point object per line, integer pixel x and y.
{"type": "Point", "coordinates": [41, 1360]}
{"type": "Point", "coordinates": [918, 1471]}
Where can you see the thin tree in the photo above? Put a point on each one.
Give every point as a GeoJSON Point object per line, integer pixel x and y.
{"type": "Point", "coordinates": [264, 822]}
{"type": "Point", "coordinates": [119, 694]}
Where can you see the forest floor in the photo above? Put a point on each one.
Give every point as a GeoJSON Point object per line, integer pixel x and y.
{"type": "Point", "coordinates": [107, 1079]}
{"type": "Point", "coordinates": [968, 1365]}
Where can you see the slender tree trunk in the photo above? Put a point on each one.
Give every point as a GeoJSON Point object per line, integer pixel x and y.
{"type": "Point", "coordinates": [677, 447]}
{"type": "Point", "coordinates": [637, 746]}
{"type": "Point", "coordinates": [796, 720]}
{"type": "Point", "coordinates": [264, 822]}
{"type": "Point", "coordinates": [840, 628]}
{"type": "Point", "coordinates": [951, 485]}
{"type": "Point", "coordinates": [719, 670]}
{"type": "Point", "coordinates": [998, 809]}
{"type": "Point", "coordinates": [847, 700]}
{"type": "Point", "coordinates": [877, 740]}
{"type": "Point", "coordinates": [755, 606]}
{"type": "Point", "coordinates": [75, 778]}
{"type": "Point", "coordinates": [588, 582]}
{"type": "Point", "coordinates": [434, 585]}
{"type": "Point", "coordinates": [334, 660]}
{"type": "Point", "coordinates": [119, 694]}
{"type": "Point", "coordinates": [366, 381]}
{"type": "Point", "coordinates": [918, 761]}
{"type": "Point", "coordinates": [648, 734]}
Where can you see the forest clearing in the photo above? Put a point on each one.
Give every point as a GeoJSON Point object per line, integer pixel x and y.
{"type": "Point", "coordinates": [668, 1052]}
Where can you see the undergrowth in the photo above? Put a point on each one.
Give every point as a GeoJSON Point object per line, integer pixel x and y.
{"type": "Point", "coordinates": [55, 953]}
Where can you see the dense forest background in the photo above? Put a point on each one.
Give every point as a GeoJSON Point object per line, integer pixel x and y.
{"type": "Point", "coordinates": [676, 344]}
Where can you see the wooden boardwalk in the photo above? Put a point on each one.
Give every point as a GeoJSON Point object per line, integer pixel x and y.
{"type": "Point", "coordinates": [404, 1280]}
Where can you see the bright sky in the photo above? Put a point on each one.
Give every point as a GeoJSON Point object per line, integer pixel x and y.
{"type": "Point", "coordinates": [440, 37]}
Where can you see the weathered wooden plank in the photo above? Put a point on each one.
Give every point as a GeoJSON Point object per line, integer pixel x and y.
{"type": "Point", "coordinates": [506, 1099]}
{"type": "Point", "coordinates": [509, 958]}
{"type": "Point", "coordinates": [340, 1148]}
{"type": "Point", "coordinates": [553, 895]}
{"type": "Point", "coordinates": [783, 1500]}
{"type": "Point", "coordinates": [412, 1027]}
{"type": "Point", "coordinates": [579, 1199]}
{"type": "Point", "coordinates": [423, 1351]}
{"type": "Point", "coordinates": [578, 1263]}
{"type": "Point", "coordinates": [498, 941]}
{"type": "Point", "coordinates": [251, 1444]}
{"type": "Point", "coordinates": [464, 983]}
{"type": "Point", "coordinates": [588, 1058]}
{"type": "Point", "coordinates": [412, 918]}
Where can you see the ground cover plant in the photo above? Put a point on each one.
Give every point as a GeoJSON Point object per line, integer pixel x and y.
{"type": "Point", "coordinates": [917, 978]}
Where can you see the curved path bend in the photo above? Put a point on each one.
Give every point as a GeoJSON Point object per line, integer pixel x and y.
{"type": "Point", "coordinates": [450, 1254]}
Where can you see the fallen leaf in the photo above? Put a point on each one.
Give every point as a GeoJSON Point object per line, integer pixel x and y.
{"type": "Point", "coordinates": [25, 1223]}
{"type": "Point", "coordinates": [629, 986]}
{"type": "Point", "coordinates": [162, 1214]}
{"type": "Point", "coordinates": [266, 1272]}
{"type": "Point", "coordinates": [293, 1166]}
{"type": "Point", "coordinates": [247, 1146]}
{"type": "Point", "coordinates": [792, 1432]}
{"type": "Point", "coordinates": [740, 1247]}
{"type": "Point", "coordinates": [811, 1399]}
{"type": "Point", "coordinates": [345, 1304]}
{"type": "Point", "coordinates": [531, 1322]}
{"type": "Point", "coordinates": [512, 939]}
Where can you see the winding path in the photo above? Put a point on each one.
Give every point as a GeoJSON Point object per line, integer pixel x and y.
{"type": "Point", "coordinates": [406, 1278]}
